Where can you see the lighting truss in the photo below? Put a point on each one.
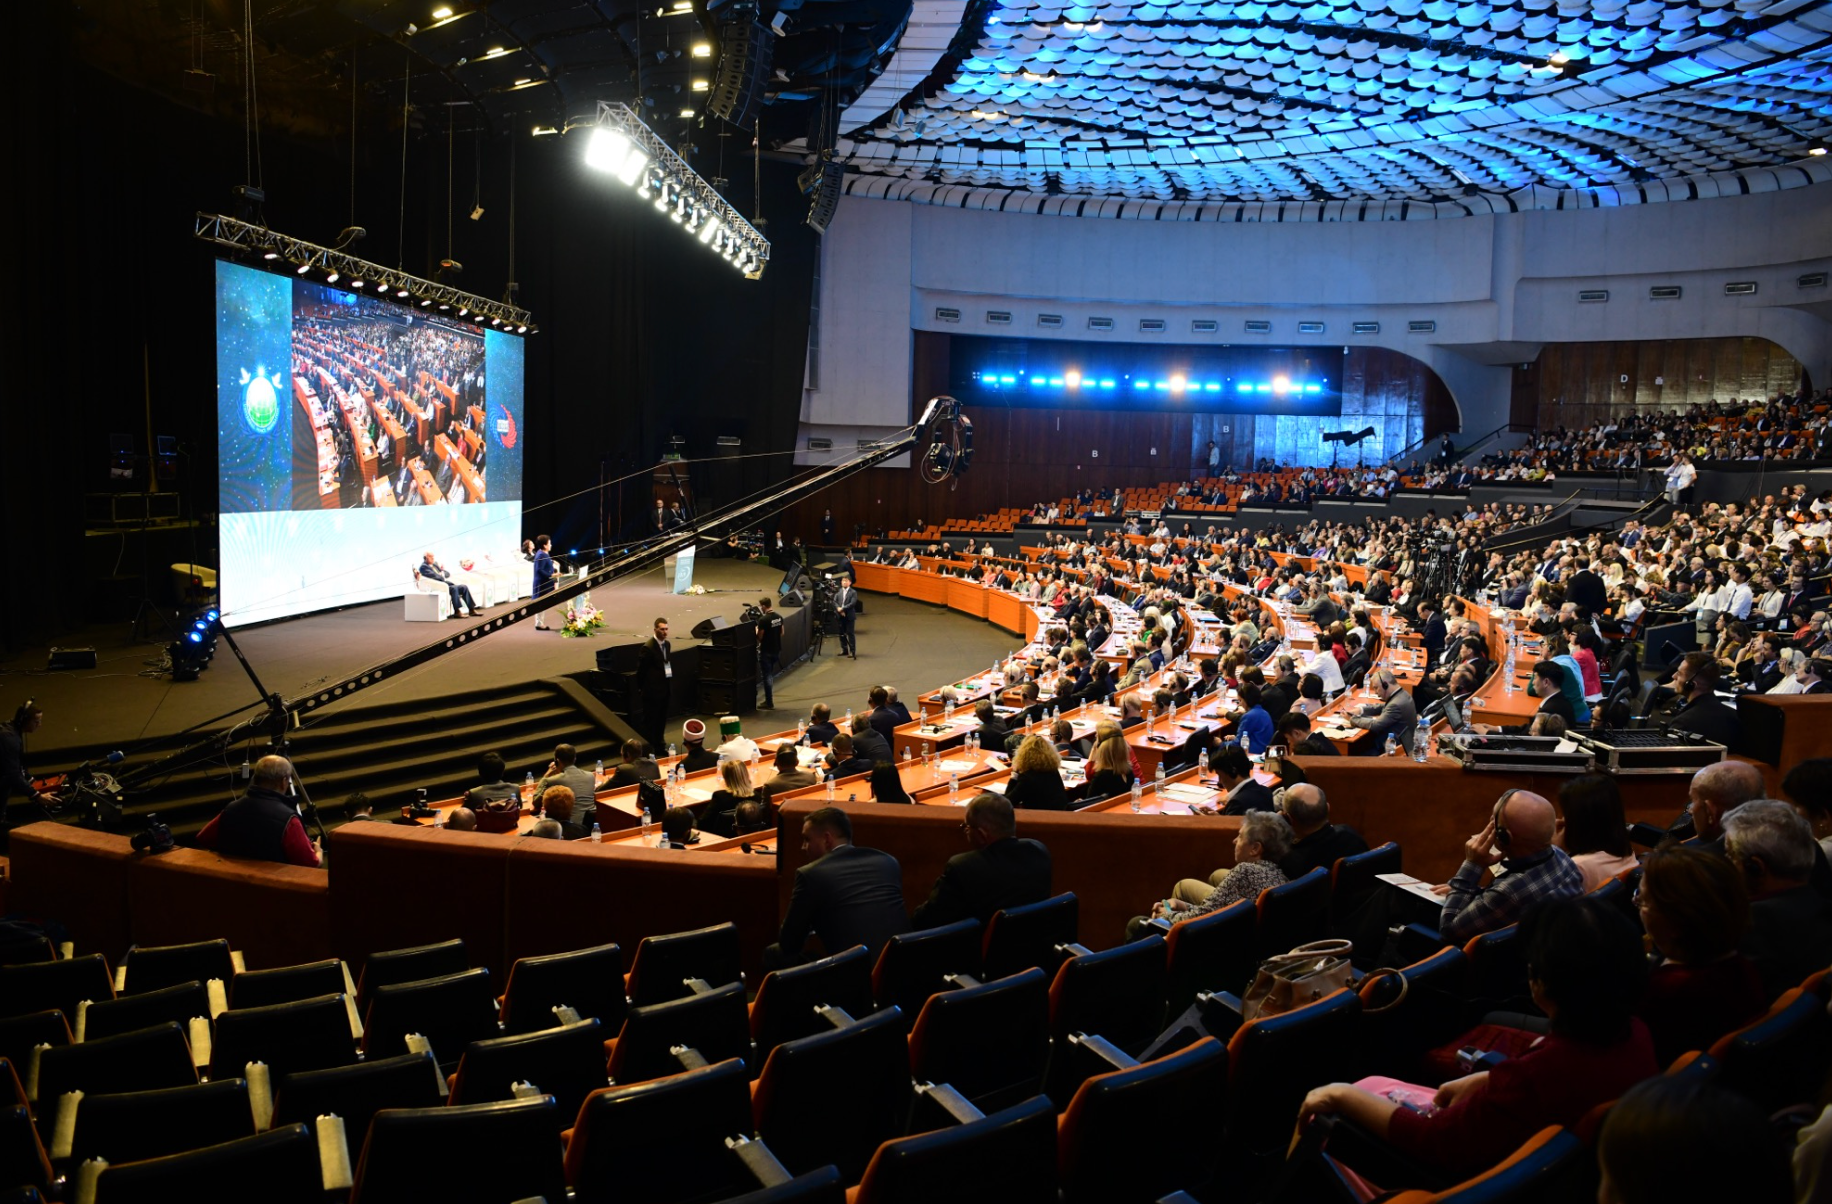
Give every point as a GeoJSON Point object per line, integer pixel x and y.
{"type": "Point", "coordinates": [303, 256]}
{"type": "Point", "coordinates": [619, 144]}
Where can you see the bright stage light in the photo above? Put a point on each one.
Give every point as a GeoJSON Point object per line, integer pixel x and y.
{"type": "Point", "coordinates": [442, 13]}
{"type": "Point", "coordinates": [710, 229]}
{"type": "Point", "coordinates": [1176, 383]}
{"type": "Point", "coordinates": [702, 50]}
{"type": "Point", "coordinates": [1281, 385]}
{"type": "Point", "coordinates": [1072, 379]}
{"type": "Point", "coordinates": [609, 151]}
{"type": "Point", "coordinates": [333, 277]}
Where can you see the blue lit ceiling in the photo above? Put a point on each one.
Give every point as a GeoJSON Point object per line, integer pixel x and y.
{"type": "Point", "coordinates": [1419, 100]}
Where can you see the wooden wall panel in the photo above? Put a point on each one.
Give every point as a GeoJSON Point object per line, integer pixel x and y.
{"type": "Point", "coordinates": [1577, 384]}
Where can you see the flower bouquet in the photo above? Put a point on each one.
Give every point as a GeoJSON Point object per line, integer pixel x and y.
{"type": "Point", "coordinates": [582, 618]}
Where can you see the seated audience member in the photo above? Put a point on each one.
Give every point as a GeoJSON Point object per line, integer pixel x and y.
{"type": "Point", "coordinates": [1587, 970]}
{"type": "Point", "coordinates": [887, 784]}
{"type": "Point", "coordinates": [1132, 711]}
{"type": "Point", "coordinates": [1316, 842]}
{"type": "Point", "coordinates": [264, 823]}
{"type": "Point", "coordinates": [1698, 710]}
{"type": "Point", "coordinates": [867, 744]}
{"type": "Point", "coordinates": [1062, 739]}
{"type": "Point", "coordinates": [696, 756]}
{"type": "Point", "coordinates": [1716, 791]}
{"type": "Point", "coordinates": [1255, 727]}
{"type": "Point", "coordinates": [1392, 714]}
{"type": "Point", "coordinates": [563, 771]}
{"type": "Point", "coordinates": [560, 808]}
{"type": "Point", "coordinates": [546, 829]}
{"type": "Point", "coordinates": [844, 894]}
{"type": "Point", "coordinates": [842, 761]}
{"type": "Point", "coordinates": [490, 786]}
{"type": "Point", "coordinates": [883, 719]}
{"type": "Point", "coordinates": [1263, 841]}
{"type": "Point", "coordinates": [1036, 777]}
{"type": "Point", "coordinates": [1553, 700]}
{"type": "Point", "coordinates": [737, 746]}
{"type": "Point", "coordinates": [359, 808]}
{"type": "Point", "coordinates": [677, 828]}
{"type": "Point", "coordinates": [1592, 829]}
{"type": "Point", "coordinates": [1518, 837]}
{"type": "Point", "coordinates": [753, 817]}
{"type": "Point", "coordinates": [1310, 695]}
{"type": "Point", "coordinates": [789, 773]}
{"type": "Point", "coordinates": [638, 767]}
{"type": "Point", "coordinates": [459, 819]}
{"type": "Point", "coordinates": [1670, 1139]}
{"type": "Point", "coordinates": [1109, 771]}
{"type": "Point", "coordinates": [719, 818]}
{"type": "Point", "coordinates": [1790, 923]}
{"type": "Point", "coordinates": [820, 724]}
{"type": "Point", "coordinates": [1001, 871]}
{"type": "Point", "coordinates": [890, 700]}
{"type": "Point", "coordinates": [1695, 909]}
{"type": "Point", "coordinates": [1808, 786]}
{"type": "Point", "coordinates": [1300, 741]}
{"type": "Point", "coordinates": [1234, 772]}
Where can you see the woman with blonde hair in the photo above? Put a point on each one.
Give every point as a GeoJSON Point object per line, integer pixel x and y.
{"type": "Point", "coordinates": [720, 817]}
{"type": "Point", "coordinates": [1036, 778]}
{"type": "Point", "coordinates": [1109, 770]}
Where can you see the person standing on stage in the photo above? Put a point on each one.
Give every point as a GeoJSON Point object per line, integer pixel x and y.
{"type": "Point", "coordinates": [769, 649]}
{"type": "Point", "coordinates": [845, 607]}
{"type": "Point", "coordinates": [544, 571]}
{"type": "Point", "coordinates": [655, 682]}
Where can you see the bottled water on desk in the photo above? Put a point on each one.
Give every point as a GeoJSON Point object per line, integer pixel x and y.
{"type": "Point", "coordinates": [528, 786]}
{"type": "Point", "coordinates": [848, 719]}
{"type": "Point", "coordinates": [648, 824]}
{"type": "Point", "coordinates": [1202, 763]}
{"type": "Point", "coordinates": [954, 789]}
{"type": "Point", "coordinates": [671, 750]}
{"type": "Point", "coordinates": [1422, 740]}
{"type": "Point", "coordinates": [1138, 795]}
{"type": "Point", "coordinates": [1392, 749]}
{"type": "Point", "coordinates": [597, 833]}
{"type": "Point", "coordinates": [830, 787]}
{"type": "Point", "coordinates": [906, 752]}
{"type": "Point", "coordinates": [598, 771]}
{"type": "Point", "coordinates": [801, 730]}
{"type": "Point", "coordinates": [947, 710]}
{"type": "Point", "coordinates": [1158, 777]}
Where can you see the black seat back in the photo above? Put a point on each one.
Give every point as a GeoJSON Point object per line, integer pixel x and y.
{"type": "Point", "coordinates": [288, 984]}
{"type": "Point", "coordinates": [663, 1140]}
{"type": "Point", "coordinates": [1210, 953]}
{"type": "Point", "coordinates": [664, 963]}
{"type": "Point", "coordinates": [1293, 914]}
{"type": "Point", "coordinates": [451, 1012]}
{"type": "Point", "coordinates": [1012, 1153]}
{"type": "Point", "coordinates": [915, 965]}
{"type": "Point", "coordinates": [1353, 879]}
{"type": "Point", "coordinates": [40, 986]}
{"type": "Point", "coordinates": [135, 1125]}
{"type": "Point", "coordinates": [505, 1151]}
{"type": "Point", "coordinates": [155, 967]}
{"type": "Point", "coordinates": [1117, 993]}
{"type": "Point", "coordinates": [716, 1024]}
{"type": "Point", "coordinates": [357, 1092]}
{"type": "Point", "coordinates": [866, 1065]}
{"type": "Point", "coordinates": [589, 981]}
{"type": "Point", "coordinates": [824, 1186]}
{"type": "Point", "coordinates": [111, 1017]}
{"type": "Point", "coordinates": [988, 1041]}
{"type": "Point", "coordinates": [307, 1034]}
{"type": "Point", "coordinates": [279, 1166]}
{"type": "Point", "coordinates": [1098, 1136]}
{"type": "Point", "coordinates": [20, 1035]}
{"type": "Point", "coordinates": [408, 965]}
{"type": "Point", "coordinates": [1431, 1011]}
{"type": "Point", "coordinates": [1276, 1060]}
{"type": "Point", "coordinates": [787, 999]}
{"type": "Point", "coordinates": [142, 1060]}
{"type": "Point", "coordinates": [1019, 938]}
{"type": "Point", "coordinates": [566, 1063]}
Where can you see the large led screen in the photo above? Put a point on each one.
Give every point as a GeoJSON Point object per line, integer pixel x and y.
{"type": "Point", "coordinates": [354, 435]}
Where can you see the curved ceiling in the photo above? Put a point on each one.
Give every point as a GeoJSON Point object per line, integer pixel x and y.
{"type": "Point", "coordinates": [1242, 100]}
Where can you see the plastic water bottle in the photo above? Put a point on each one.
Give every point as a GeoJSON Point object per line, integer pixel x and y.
{"type": "Point", "coordinates": [439, 818]}
{"type": "Point", "coordinates": [1392, 749]}
{"type": "Point", "coordinates": [1421, 741]}
{"type": "Point", "coordinates": [1158, 777]}
{"type": "Point", "coordinates": [906, 752]}
{"type": "Point", "coordinates": [954, 789]}
{"type": "Point", "coordinates": [528, 785]}
{"type": "Point", "coordinates": [801, 730]}
{"type": "Point", "coordinates": [830, 787]}
{"type": "Point", "coordinates": [947, 710]}
{"type": "Point", "coordinates": [1202, 763]}
{"type": "Point", "coordinates": [671, 750]}
{"type": "Point", "coordinates": [848, 718]}
{"type": "Point", "coordinates": [648, 823]}
{"type": "Point", "coordinates": [597, 833]}
{"type": "Point", "coordinates": [598, 773]}
{"type": "Point", "coordinates": [1138, 795]}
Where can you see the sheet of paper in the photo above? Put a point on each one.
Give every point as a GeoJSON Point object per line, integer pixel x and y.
{"type": "Point", "coordinates": [1190, 795]}
{"type": "Point", "coordinates": [1407, 882]}
{"type": "Point", "coordinates": [958, 766]}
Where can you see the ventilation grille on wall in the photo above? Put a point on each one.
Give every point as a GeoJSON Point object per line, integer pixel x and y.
{"type": "Point", "coordinates": [1366, 328]}
{"type": "Point", "coordinates": [1310, 328]}
{"type": "Point", "coordinates": [1151, 325]}
{"type": "Point", "coordinates": [947, 315]}
{"type": "Point", "coordinates": [1258, 326]}
{"type": "Point", "coordinates": [820, 444]}
{"type": "Point", "coordinates": [1591, 295]}
{"type": "Point", "coordinates": [1664, 292]}
{"type": "Point", "coordinates": [1740, 288]}
{"type": "Point", "coordinates": [998, 317]}
{"type": "Point", "coordinates": [1050, 321]}
{"type": "Point", "coordinates": [1204, 326]}
{"type": "Point", "coordinates": [1421, 327]}
{"type": "Point", "coordinates": [1812, 280]}
{"type": "Point", "coordinates": [1100, 323]}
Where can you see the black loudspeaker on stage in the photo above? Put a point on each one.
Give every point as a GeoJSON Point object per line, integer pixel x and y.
{"type": "Point", "coordinates": [795, 597]}
{"type": "Point", "coordinates": [703, 630]}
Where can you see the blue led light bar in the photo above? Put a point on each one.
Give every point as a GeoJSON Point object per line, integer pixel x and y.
{"type": "Point", "coordinates": [1072, 380]}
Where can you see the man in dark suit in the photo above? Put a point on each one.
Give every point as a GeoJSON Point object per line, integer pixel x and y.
{"type": "Point", "coordinates": [843, 762]}
{"type": "Point", "coordinates": [867, 743]}
{"type": "Point", "coordinates": [845, 607]}
{"type": "Point", "coordinates": [1553, 701]}
{"type": "Point", "coordinates": [789, 773]}
{"type": "Point", "coordinates": [883, 719]}
{"type": "Point", "coordinates": [1790, 923]}
{"type": "Point", "coordinates": [1295, 735]}
{"type": "Point", "coordinates": [1317, 842]}
{"type": "Point", "coordinates": [1001, 871]}
{"type": "Point", "coordinates": [1587, 590]}
{"type": "Point", "coordinates": [655, 682]}
{"type": "Point", "coordinates": [844, 894]}
{"type": "Point", "coordinates": [1699, 711]}
{"type": "Point", "coordinates": [1278, 697]}
{"type": "Point", "coordinates": [992, 732]}
{"type": "Point", "coordinates": [1431, 624]}
{"type": "Point", "coordinates": [821, 729]}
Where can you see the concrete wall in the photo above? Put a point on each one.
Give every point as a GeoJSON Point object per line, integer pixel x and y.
{"type": "Point", "coordinates": [1498, 287]}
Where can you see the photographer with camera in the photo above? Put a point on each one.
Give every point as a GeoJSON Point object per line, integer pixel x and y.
{"type": "Point", "coordinates": [769, 647]}
{"type": "Point", "coordinates": [264, 823]}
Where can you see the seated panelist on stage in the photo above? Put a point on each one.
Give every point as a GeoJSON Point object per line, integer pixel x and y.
{"type": "Point", "coordinates": [462, 601]}
{"type": "Point", "coordinates": [264, 823]}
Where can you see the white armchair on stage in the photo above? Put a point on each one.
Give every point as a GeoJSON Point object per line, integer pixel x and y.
{"type": "Point", "coordinates": [427, 601]}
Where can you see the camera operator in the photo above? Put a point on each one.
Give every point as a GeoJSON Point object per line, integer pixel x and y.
{"type": "Point", "coordinates": [13, 777]}
{"type": "Point", "coordinates": [264, 823]}
{"type": "Point", "coordinates": [769, 647]}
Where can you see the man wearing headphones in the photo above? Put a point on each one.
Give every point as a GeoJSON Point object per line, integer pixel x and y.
{"type": "Point", "coordinates": [1395, 715]}
{"type": "Point", "coordinates": [1519, 837]}
{"type": "Point", "coordinates": [13, 778]}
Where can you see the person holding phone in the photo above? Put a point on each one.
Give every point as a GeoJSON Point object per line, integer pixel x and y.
{"type": "Point", "coordinates": [264, 823]}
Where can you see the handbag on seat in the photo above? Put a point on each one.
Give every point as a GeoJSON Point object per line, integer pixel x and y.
{"type": "Point", "coordinates": [1291, 980]}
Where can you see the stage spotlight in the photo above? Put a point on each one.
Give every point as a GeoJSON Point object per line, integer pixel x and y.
{"type": "Point", "coordinates": [1816, 147]}
{"type": "Point", "coordinates": [612, 152]}
{"type": "Point", "coordinates": [333, 277]}
{"type": "Point", "coordinates": [521, 330]}
{"type": "Point", "coordinates": [271, 255]}
{"type": "Point", "coordinates": [401, 292]}
{"type": "Point", "coordinates": [702, 50]}
{"type": "Point", "coordinates": [356, 284]}
{"type": "Point", "coordinates": [302, 269]}
{"type": "Point", "coordinates": [424, 304]}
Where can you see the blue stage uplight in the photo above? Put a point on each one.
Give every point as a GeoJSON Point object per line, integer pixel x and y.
{"type": "Point", "coordinates": [1036, 382]}
{"type": "Point", "coordinates": [1313, 388]}
{"type": "Point", "coordinates": [1245, 387]}
{"type": "Point", "coordinates": [1163, 386]}
{"type": "Point", "coordinates": [1141, 384]}
{"type": "Point", "coordinates": [1008, 380]}
{"type": "Point", "coordinates": [1106, 384]}
{"type": "Point", "coordinates": [1055, 382]}
{"type": "Point", "coordinates": [196, 637]}
{"type": "Point", "coordinates": [1212, 387]}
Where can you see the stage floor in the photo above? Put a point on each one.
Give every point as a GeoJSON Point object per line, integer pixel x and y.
{"type": "Point", "coordinates": [901, 643]}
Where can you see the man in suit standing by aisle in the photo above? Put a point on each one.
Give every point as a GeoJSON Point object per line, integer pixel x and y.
{"type": "Point", "coordinates": [845, 606]}
{"type": "Point", "coordinates": [655, 682]}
